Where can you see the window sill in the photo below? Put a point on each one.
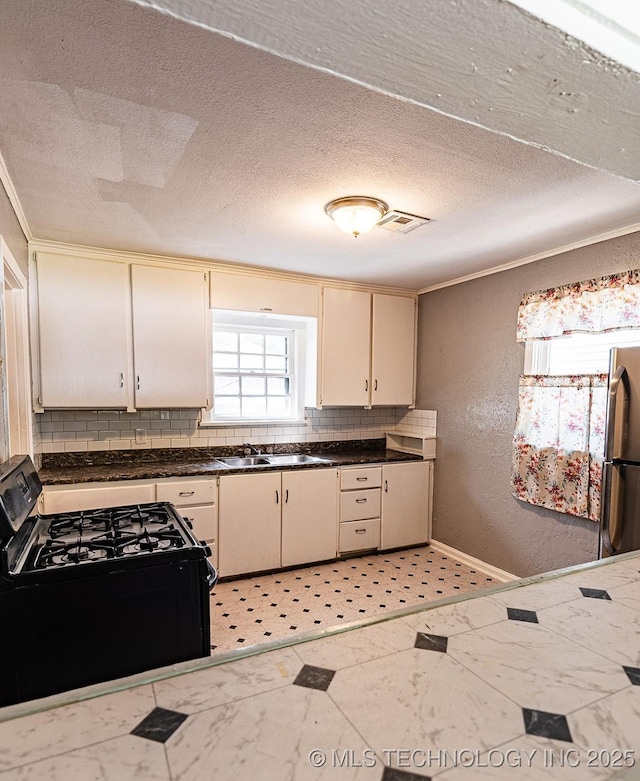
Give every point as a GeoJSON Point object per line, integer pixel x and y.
{"type": "Point", "coordinates": [249, 423]}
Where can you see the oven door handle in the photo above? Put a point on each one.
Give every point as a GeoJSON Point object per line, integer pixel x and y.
{"type": "Point", "coordinates": [212, 575]}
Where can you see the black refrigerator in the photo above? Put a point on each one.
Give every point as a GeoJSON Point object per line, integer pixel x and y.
{"type": "Point", "coordinates": [620, 516]}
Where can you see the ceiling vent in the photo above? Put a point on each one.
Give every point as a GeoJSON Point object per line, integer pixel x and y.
{"type": "Point", "coordinates": [400, 222]}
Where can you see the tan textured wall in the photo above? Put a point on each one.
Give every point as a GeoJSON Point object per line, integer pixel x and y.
{"type": "Point", "coordinates": [11, 232]}
{"type": "Point", "coordinates": [468, 367]}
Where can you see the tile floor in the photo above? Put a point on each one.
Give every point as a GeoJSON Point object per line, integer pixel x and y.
{"type": "Point", "coordinates": [537, 679]}
{"type": "Point", "coordinates": [270, 607]}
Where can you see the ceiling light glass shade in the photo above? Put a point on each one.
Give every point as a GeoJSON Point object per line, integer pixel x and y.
{"type": "Point", "coordinates": [356, 214]}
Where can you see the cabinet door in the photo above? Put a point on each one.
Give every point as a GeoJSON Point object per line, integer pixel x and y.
{"type": "Point", "coordinates": [346, 328]}
{"type": "Point", "coordinates": [309, 516]}
{"type": "Point", "coordinates": [84, 325]}
{"type": "Point", "coordinates": [170, 337]}
{"type": "Point", "coordinates": [406, 504]}
{"type": "Point", "coordinates": [393, 350]}
{"type": "Point", "coordinates": [249, 523]}
{"type": "Point", "coordinates": [247, 293]}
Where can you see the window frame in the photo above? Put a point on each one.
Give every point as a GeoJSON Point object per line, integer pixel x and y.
{"type": "Point", "coordinates": [538, 352]}
{"type": "Point", "coordinates": [301, 369]}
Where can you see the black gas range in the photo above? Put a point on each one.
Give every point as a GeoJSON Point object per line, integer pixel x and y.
{"type": "Point", "coordinates": [90, 596]}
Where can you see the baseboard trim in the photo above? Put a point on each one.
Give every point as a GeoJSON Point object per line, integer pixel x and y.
{"type": "Point", "coordinates": [488, 569]}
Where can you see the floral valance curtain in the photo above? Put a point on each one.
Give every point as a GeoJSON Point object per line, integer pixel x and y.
{"type": "Point", "coordinates": [559, 443]}
{"type": "Point", "coordinates": [596, 305]}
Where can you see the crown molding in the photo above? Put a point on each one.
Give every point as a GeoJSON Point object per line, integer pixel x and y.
{"type": "Point", "coordinates": [595, 238]}
{"type": "Point", "coordinates": [79, 250]}
{"type": "Point", "coordinates": [7, 183]}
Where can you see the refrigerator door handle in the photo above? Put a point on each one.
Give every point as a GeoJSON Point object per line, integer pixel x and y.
{"type": "Point", "coordinates": [605, 538]}
{"type": "Point", "coordinates": [620, 376]}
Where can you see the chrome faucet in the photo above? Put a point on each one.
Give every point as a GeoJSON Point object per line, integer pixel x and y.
{"type": "Point", "coordinates": [248, 449]}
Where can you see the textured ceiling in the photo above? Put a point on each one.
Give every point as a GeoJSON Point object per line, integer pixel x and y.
{"type": "Point", "coordinates": [125, 128]}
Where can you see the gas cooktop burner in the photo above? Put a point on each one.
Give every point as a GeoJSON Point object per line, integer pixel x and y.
{"type": "Point", "coordinates": [105, 520]}
{"type": "Point", "coordinates": [163, 539]}
{"type": "Point", "coordinates": [56, 554]}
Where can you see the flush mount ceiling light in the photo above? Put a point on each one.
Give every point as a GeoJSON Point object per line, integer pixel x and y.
{"type": "Point", "coordinates": [356, 214]}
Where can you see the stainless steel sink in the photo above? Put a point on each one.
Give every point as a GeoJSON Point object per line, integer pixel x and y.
{"type": "Point", "coordinates": [244, 461]}
{"type": "Point", "coordinates": [290, 458]}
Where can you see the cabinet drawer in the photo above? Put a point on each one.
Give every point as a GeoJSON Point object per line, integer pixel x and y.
{"type": "Point", "coordinates": [359, 535]}
{"type": "Point", "coordinates": [369, 477]}
{"type": "Point", "coordinates": [187, 492]}
{"type": "Point", "coordinates": [64, 501]}
{"type": "Point", "coordinates": [357, 505]}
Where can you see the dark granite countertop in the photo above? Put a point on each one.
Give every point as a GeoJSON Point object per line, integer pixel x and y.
{"type": "Point", "coordinates": [110, 466]}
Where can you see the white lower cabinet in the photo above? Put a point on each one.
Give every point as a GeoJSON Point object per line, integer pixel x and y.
{"type": "Point", "coordinates": [66, 498]}
{"type": "Point", "coordinates": [197, 502]}
{"type": "Point", "coordinates": [276, 519]}
{"type": "Point", "coordinates": [309, 516]}
{"type": "Point", "coordinates": [407, 491]}
{"type": "Point", "coordinates": [249, 515]}
{"type": "Point", "coordinates": [359, 508]}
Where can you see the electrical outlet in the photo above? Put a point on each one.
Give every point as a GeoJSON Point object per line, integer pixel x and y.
{"type": "Point", "coordinates": [141, 436]}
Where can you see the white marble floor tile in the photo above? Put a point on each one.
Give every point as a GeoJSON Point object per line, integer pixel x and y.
{"type": "Point", "coordinates": [604, 577]}
{"type": "Point", "coordinates": [459, 617]}
{"type": "Point", "coordinates": [126, 758]}
{"type": "Point", "coordinates": [59, 730]}
{"type": "Point", "coordinates": [537, 668]}
{"type": "Point", "coordinates": [529, 758]}
{"type": "Point", "coordinates": [628, 595]}
{"type": "Point", "coordinates": [357, 646]}
{"type": "Point", "coordinates": [611, 724]}
{"type": "Point", "coordinates": [269, 736]}
{"type": "Point", "coordinates": [602, 625]}
{"type": "Point", "coordinates": [536, 596]}
{"type": "Point", "coordinates": [215, 686]}
{"type": "Point", "coordinates": [423, 699]}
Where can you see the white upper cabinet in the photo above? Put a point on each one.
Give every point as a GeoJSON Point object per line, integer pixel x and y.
{"type": "Point", "coordinates": [249, 293]}
{"type": "Point", "coordinates": [84, 332]}
{"type": "Point", "coordinates": [368, 349]}
{"type": "Point", "coordinates": [393, 350]}
{"type": "Point", "coordinates": [346, 341]}
{"type": "Point", "coordinates": [170, 337]}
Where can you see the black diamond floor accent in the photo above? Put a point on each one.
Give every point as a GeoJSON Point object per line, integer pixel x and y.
{"type": "Point", "coordinates": [314, 677]}
{"type": "Point", "coordinates": [431, 642]}
{"type": "Point", "coordinates": [516, 614]}
{"type": "Point", "coordinates": [159, 725]}
{"type": "Point", "coordinates": [594, 593]}
{"type": "Point", "coordinates": [395, 774]}
{"type": "Point", "coordinates": [633, 674]}
{"type": "Point", "coordinates": [546, 725]}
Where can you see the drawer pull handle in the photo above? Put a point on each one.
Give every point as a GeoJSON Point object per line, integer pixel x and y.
{"type": "Point", "coordinates": [361, 531]}
{"type": "Point", "coordinates": [122, 379]}
{"type": "Point", "coordinates": [386, 486]}
{"type": "Point", "coordinates": [360, 501]}
{"type": "Point", "coordinates": [362, 479]}
{"type": "Point", "coordinates": [186, 493]}
{"type": "Point", "coordinates": [286, 496]}
{"type": "Point", "coordinates": [277, 497]}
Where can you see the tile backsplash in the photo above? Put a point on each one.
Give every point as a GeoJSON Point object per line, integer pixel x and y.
{"type": "Point", "coordinates": [81, 430]}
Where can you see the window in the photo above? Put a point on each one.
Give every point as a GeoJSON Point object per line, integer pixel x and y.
{"type": "Point", "coordinates": [253, 373]}
{"type": "Point", "coordinates": [576, 353]}
{"type": "Point", "coordinates": [262, 366]}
